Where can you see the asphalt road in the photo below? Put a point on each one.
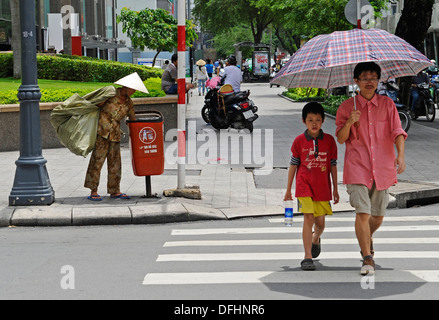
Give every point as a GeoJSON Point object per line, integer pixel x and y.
{"type": "Point", "coordinates": [251, 259]}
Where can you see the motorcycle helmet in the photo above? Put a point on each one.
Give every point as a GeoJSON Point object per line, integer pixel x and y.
{"type": "Point", "coordinates": [232, 60]}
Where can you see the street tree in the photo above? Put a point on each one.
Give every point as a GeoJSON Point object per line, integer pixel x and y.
{"type": "Point", "coordinates": [412, 27]}
{"type": "Point", "coordinates": [153, 29]}
{"type": "Point", "coordinates": [415, 21]}
{"type": "Point", "coordinates": [219, 15]}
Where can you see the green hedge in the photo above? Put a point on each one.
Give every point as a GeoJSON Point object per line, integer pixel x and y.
{"type": "Point", "coordinates": [58, 95]}
{"type": "Point", "coordinates": [84, 69]}
{"type": "Point", "coordinates": [330, 104]}
{"type": "Point", "coordinates": [6, 65]}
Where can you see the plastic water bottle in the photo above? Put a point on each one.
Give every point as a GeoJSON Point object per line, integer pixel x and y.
{"type": "Point", "coordinates": [288, 213]}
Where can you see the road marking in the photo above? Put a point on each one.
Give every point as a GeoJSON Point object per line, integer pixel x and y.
{"type": "Point", "coordinates": [352, 219]}
{"type": "Point", "coordinates": [286, 277]}
{"type": "Point", "coordinates": [268, 230]}
{"type": "Point", "coordinates": [276, 242]}
{"type": "Point", "coordinates": [258, 256]}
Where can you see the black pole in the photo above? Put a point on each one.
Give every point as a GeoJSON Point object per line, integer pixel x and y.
{"type": "Point", "coordinates": [31, 184]}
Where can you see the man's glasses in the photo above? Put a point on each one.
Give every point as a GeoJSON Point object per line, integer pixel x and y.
{"type": "Point", "coordinates": [368, 80]}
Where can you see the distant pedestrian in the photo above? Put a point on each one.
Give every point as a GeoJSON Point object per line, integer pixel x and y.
{"type": "Point", "coordinates": [209, 68]}
{"type": "Point", "coordinates": [370, 131]}
{"type": "Point", "coordinates": [201, 76]}
{"type": "Point", "coordinates": [313, 163]}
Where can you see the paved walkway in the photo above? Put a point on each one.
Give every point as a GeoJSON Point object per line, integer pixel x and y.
{"type": "Point", "coordinates": [236, 179]}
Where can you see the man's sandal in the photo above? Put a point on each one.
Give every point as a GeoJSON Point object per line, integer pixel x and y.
{"type": "Point", "coordinates": [371, 249]}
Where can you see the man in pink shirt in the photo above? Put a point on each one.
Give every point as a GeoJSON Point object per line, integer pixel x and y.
{"type": "Point", "coordinates": [370, 127]}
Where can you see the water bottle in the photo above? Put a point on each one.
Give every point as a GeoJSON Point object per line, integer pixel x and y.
{"type": "Point", "coordinates": [288, 213]}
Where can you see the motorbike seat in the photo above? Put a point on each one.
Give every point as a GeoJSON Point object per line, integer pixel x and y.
{"type": "Point", "coordinates": [236, 97]}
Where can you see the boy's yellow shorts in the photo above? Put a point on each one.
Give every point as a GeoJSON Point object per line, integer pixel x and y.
{"type": "Point", "coordinates": [318, 208]}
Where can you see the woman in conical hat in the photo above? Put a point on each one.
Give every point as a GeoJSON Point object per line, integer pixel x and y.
{"type": "Point", "coordinates": [112, 112]}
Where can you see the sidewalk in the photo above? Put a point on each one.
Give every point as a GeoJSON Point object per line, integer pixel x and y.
{"type": "Point", "coordinates": [229, 186]}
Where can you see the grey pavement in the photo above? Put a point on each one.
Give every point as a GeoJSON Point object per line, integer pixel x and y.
{"type": "Point", "coordinates": [239, 174]}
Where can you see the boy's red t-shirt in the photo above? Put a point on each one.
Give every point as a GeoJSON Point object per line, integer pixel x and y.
{"type": "Point", "coordinates": [313, 173]}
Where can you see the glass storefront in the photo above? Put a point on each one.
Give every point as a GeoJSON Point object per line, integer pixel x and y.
{"type": "Point", "coordinates": [5, 25]}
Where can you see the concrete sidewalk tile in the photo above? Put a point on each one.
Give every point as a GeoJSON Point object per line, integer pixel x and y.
{"type": "Point", "coordinates": [101, 215]}
{"type": "Point", "coordinates": [198, 212]}
{"type": "Point", "coordinates": [159, 213]}
{"type": "Point", "coordinates": [42, 216]}
{"type": "Point", "coordinates": [253, 211]}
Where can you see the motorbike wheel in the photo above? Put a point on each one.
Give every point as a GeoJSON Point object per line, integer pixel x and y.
{"type": "Point", "coordinates": [205, 114]}
{"type": "Point", "coordinates": [430, 110]}
{"type": "Point", "coordinates": [405, 120]}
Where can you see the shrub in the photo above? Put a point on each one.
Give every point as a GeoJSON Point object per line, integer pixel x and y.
{"type": "Point", "coordinates": [59, 95]}
{"type": "Point", "coordinates": [6, 65]}
{"type": "Point", "coordinates": [84, 69]}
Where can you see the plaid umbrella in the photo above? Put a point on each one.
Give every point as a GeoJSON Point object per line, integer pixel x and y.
{"type": "Point", "coordinates": [328, 60]}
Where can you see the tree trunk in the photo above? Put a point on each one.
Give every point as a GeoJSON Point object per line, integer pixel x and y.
{"type": "Point", "coordinates": [16, 38]}
{"type": "Point", "coordinates": [412, 27]}
{"type": "Point", "coordinates": [415, 21]}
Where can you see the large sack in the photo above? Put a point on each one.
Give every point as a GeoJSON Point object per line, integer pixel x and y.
{"type": "Point", "coordinates": [76, 120]}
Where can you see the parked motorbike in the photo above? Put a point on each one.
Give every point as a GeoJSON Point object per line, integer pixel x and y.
{"type": "Point", "coordinates": [425, 105]}
{"type": "Point", "coordinates": [223, 110]}
{"type": "Point", "coordinates": [390, 88]}
{"type": "Point", "coordinates": [434, 79]}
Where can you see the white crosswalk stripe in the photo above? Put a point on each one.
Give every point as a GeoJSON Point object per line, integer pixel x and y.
{"type": "Point", "coordinates": [231, 244]}
{"type": "Point", "coordinates": [192, 232]}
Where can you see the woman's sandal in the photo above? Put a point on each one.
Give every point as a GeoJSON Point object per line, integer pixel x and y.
{"type": "Point", "coordinates": [307, 264]}
{"type": "Point", "coordinates": [94, 197]}
{"type": "Point", "coordinates": [120, 196]}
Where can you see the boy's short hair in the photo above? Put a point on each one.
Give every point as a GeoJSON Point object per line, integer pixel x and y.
{"type": "Point", "coordinates": [367, 66]}
{"type": "Point", "coordinates": [314, 108]}
{"type": "Point", "coordinates": [174, 57]}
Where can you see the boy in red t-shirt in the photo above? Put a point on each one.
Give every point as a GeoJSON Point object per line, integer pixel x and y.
{"type": "Point", "coordinates": [313, 161]}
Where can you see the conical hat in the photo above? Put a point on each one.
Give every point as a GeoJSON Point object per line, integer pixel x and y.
{"type": "Point", "coordinates": [132, 81]}
{"type": "Point", "coordinates": [201, 62]}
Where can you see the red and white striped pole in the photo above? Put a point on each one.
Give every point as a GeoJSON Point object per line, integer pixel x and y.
{"type": "Point", "coordinates": [181, 109]}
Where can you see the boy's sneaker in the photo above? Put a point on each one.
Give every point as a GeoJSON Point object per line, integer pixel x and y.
{"type": "Point", "coordinates": [368, 266]}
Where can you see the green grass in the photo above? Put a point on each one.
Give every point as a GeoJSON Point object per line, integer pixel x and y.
{"type": "Point", "coordinates": [59, 90]}
{"type": "Point", "coordinates": [14, 84]}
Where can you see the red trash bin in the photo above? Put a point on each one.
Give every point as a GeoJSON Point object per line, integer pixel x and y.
{"type": "Point", "coordinates": [146, 143]}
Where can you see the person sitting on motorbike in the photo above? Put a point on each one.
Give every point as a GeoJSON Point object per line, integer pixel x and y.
{"type": "Point", "coordinates": [421, 77]}
{"type": "Point", "coordinates": [433, 70]}
{"type": "Point", "coordinates": [232, 74]}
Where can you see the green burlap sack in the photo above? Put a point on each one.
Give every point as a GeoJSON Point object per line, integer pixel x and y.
{"type": "Point", "coordinates": [76, 120]}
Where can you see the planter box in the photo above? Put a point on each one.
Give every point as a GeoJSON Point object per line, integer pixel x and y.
{"type": "Point", "coordinates": [10, 121]}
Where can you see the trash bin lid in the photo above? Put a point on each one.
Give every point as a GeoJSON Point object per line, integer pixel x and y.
{"type": "Point", "coordinates": [148, 117]}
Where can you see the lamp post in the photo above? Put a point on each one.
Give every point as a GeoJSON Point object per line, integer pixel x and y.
{"type": "Point", "coordinates": [31, 184]}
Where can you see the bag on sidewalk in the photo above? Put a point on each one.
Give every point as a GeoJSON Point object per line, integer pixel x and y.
{"type": "Point", "coordinates": [76, 120]}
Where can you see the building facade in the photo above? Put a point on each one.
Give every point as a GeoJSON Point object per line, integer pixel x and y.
{"type": "Point", "coordinates": [91, 23]}
{"type": "Point", "coordinates": [5, 26]}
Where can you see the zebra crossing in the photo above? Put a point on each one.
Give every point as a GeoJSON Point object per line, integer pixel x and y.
{"type": "Point", "coordinates": [406, 247]}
